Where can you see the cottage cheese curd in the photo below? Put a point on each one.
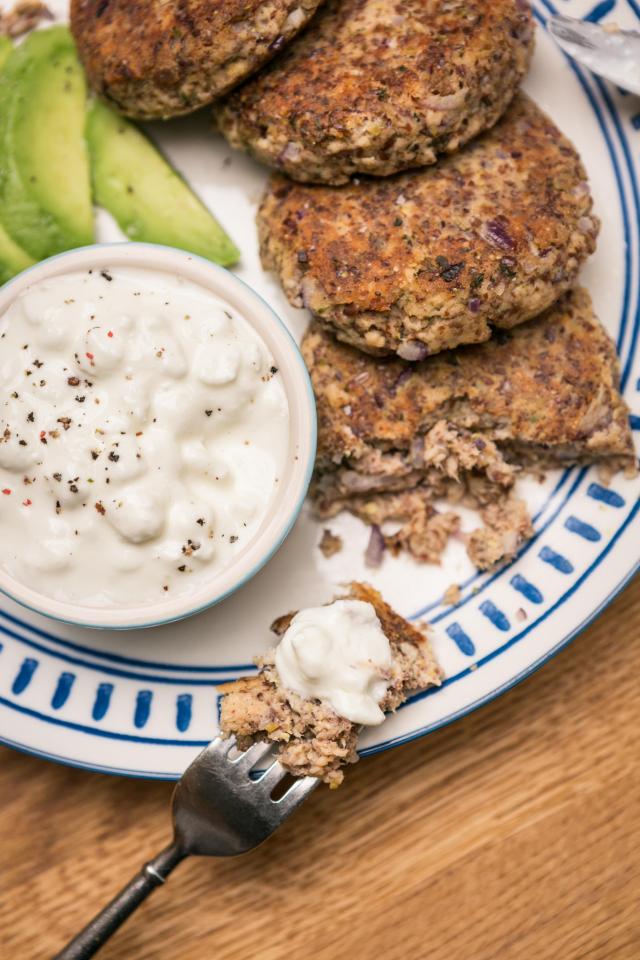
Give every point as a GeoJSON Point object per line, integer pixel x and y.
{"type": "Point", "coordinates": [143, 432]}
{"type": "Point", "coordinates": [339, 654]}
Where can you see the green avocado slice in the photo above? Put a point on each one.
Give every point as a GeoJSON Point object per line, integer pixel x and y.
{"type": "Point", "coordinates": [45, 190]}
{"type": "Point", "coordinates": [149, 200]}
{"type": "Point", "coordinates": [12, 258]}
{"type": "Point", "coordinates": [5, 48]}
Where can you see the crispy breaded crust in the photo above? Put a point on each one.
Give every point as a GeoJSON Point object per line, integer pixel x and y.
{"type": "Point", "coordinates": [434, 258]}
{"type": "Point", "coordinates": [312, 739]}
{"type": "Point", "coordinates": [377, 86]}
{"type": "Point", "coordinates": [152, 59]}
{"type": "Point", "coordinates": [546, 391]}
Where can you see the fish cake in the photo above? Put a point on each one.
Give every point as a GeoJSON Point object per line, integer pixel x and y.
{"type": "Point", "coordinates": [434, 258]}
{"type": "Point", "coordinates": [153, 59]}
{"type": "Point", "coordinates": [375, 87]}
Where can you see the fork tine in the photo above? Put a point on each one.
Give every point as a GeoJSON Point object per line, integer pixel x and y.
{"type": "Point", "coordinates": [221, 746]}
{"type": "Point", "coordinates": [251, 756]}
{"type": "Point", "coordinates": [296, 794]}
{"type": "Point", "coordinates": [273, 775]}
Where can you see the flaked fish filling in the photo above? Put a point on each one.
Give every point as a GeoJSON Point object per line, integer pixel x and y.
{"type": "Point", "coordinates": [462, 466]}
{"type": "Point", "coordinates": [445, 454]}
{"type": "Point", "coordinates": [446, 462]}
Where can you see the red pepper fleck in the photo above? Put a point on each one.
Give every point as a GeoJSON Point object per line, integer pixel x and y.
{"type": "Point", "coordinates": [6, 491]}
{"type": "Point", "coordinates": [110, 333]}
{"type": "Point", "coordinates": [27, 503]}
{"type": "Point", "coordinates": [90, 356]}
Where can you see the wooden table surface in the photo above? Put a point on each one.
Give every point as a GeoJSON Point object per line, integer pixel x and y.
{"type": "Point", "coordinates": [513, 834]}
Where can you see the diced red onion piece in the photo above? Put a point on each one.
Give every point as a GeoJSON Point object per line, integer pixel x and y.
{"type": "Point", "coordinates": [376, 547]}
{"type": "Point", "coordinates": [585, 224]}
{"type": "Point", "coordinates": [310, 292]}
{"type": "Point", "coordinates": [447, 102]}
{"type": "Point", "coordinates": [290, 152]}
{"type": "Point", "coordinates": [354, 482]}
{"type": "Point", "coordinates": [406, 374]}
{"type": "Point", "coordinates": [417, 452]}
{"type": "Point", "coordinates": [294, 20]}
{"type": "Point", "coordinates": [496, 233]}
{"type": "Point", "coordinates": [412, 350]}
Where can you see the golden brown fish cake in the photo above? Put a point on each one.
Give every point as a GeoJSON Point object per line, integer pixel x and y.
{"type": "Point", "coordinates": [427, 260]}
{"type": "Point", "coordinates": [545, 392]}
{"type": "Point", "coordinates": [376, 86]}
{"type": "Point", "coordinates": [151, 58]}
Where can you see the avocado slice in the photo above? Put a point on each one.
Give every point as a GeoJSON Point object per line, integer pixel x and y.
{"type": "Point", "coordinates": [45, 189]}
{"type": "Point", "coordinates": [5, 48]}
{"type": "Point", "coordinates": [148, 198]}
{"type": "Point", "coordinates": [12, 258]}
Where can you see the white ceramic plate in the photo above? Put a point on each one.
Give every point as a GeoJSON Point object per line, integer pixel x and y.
{"type": "Point", "coordinates": [144, 703]}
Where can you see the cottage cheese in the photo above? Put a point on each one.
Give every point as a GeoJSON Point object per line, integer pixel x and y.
{"type": "Point", "coordinates": [143, 432]}
{"type": "Point", "coordinates": [339, 654]}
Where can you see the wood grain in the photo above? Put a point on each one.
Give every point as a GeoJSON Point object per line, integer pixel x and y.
{"type": "Point", "coordinates": [513, 834]}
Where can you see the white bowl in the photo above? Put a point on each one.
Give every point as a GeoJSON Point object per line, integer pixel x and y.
{"type": "Point", "coordinates": [295, 481]}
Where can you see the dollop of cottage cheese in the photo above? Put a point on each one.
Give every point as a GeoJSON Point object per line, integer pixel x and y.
{"type": "Point", "coordinates": [339, 654]}
{"type": "Point", "coordinates": [143, 431]}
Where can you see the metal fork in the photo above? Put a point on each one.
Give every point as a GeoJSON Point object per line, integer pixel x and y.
{"type": "Point", "coordinates": [611, 53]}
{"type": "Point", "coordinates": [219, 810]}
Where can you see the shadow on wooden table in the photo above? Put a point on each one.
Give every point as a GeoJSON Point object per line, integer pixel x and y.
{"type": "Point", "coordinates": [510, 834]}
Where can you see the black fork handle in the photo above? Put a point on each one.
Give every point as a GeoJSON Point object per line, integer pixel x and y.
{"type": "Point", "coordinates": [87, 943]}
